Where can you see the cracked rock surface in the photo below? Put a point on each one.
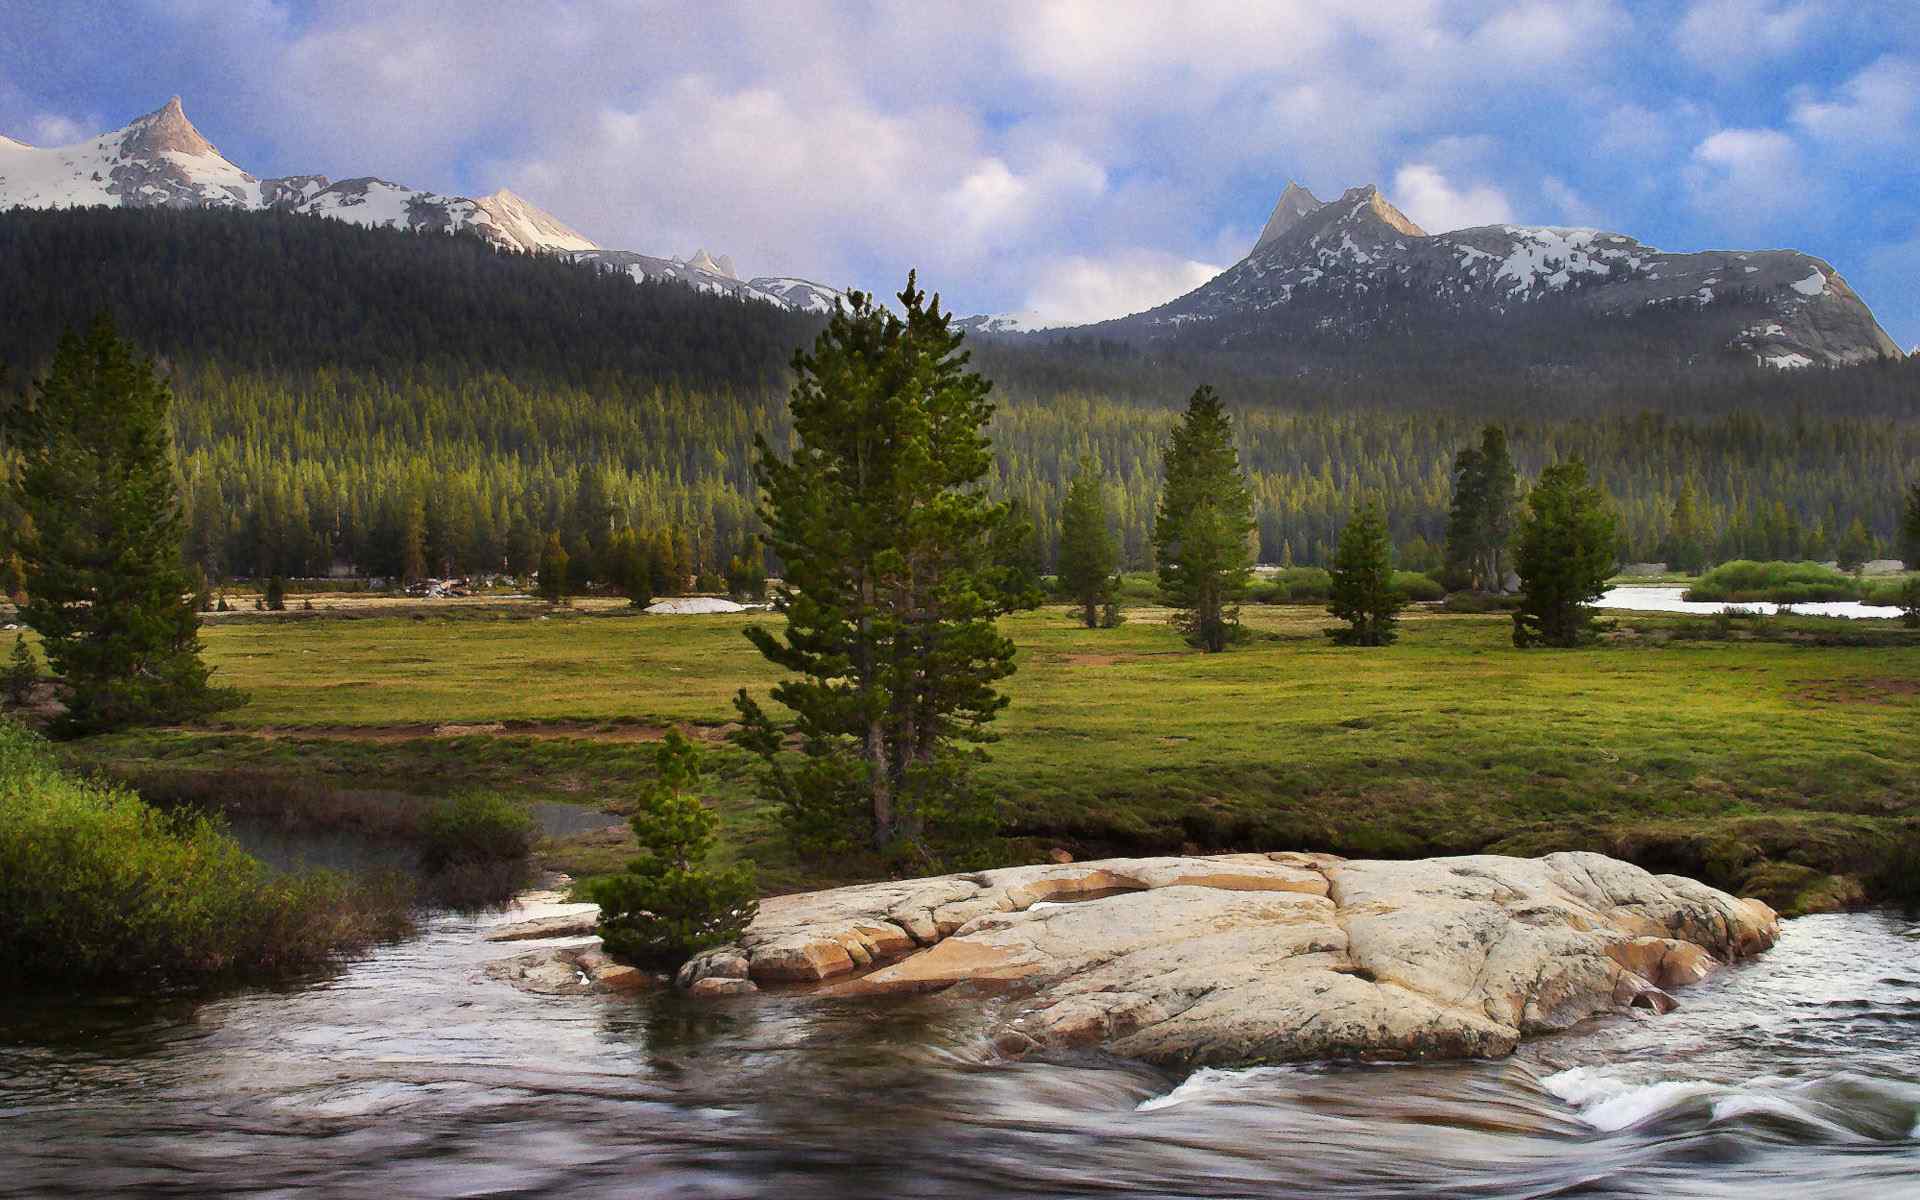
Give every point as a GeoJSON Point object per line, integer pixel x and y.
{"type": "Point", "coordinates": [1262, 957]}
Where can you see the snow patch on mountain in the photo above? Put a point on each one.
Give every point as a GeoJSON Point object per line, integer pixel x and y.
{"type": "Point", "coordinates": [161, 160]}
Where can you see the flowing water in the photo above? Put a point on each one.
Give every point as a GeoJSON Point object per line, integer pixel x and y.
{"type": "Point", "coordinates": [407, 1074]}
{"type": "Point", "coordinates": [1671, 599]}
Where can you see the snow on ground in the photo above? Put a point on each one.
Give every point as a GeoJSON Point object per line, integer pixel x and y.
{"type": "Point", "coordinates": [1812, 285]}
{"type": "Point", "coordinates": [694, 605]}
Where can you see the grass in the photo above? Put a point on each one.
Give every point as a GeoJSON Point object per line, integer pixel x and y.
{"type": "Point", "coordinates": [1723, 757]}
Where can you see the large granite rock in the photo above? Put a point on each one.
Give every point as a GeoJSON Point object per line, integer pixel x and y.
{"type": "Point", "coordinates": [1248, 957]}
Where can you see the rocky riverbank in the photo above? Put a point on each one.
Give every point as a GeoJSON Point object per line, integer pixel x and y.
{"type": "Point", "coordinates": [1244, 957]}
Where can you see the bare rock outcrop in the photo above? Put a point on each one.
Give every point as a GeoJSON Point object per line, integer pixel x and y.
{"type": "Point", "coordinates": [1252, 957]}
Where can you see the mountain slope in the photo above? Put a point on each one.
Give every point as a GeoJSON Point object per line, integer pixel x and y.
{"type": "Point", "coordinates": [1356, 270]}
{"type": "Point", "coordinates": [162, 161]}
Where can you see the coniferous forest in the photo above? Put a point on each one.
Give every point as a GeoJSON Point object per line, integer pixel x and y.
{"type": "Point", "coordinates": [379, 402]}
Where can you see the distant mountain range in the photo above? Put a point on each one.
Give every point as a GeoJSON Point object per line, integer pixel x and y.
{"type": "Point", "coordinates": [1358, 270]}
{"type": "Point", "coordinates": [1353, 276]}
{"type": "Point", "coordinates": [161, 160]}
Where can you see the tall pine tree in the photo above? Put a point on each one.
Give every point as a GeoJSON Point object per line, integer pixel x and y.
{"type": "Point", "coordinates": [1362, 592]}
{"type": "Point", "coordinates": [890, 590]}
{"type": "Point", "coordinates": [107, 589]}
{"type": "Point", "coordinates": [1202, 525]}
{"type": "Point", "coordinates": [1480, 523]}
{"type": "Point", "coordinates": [1088, 554]}
{"type": "Point", "coordinates": [1564, 553]}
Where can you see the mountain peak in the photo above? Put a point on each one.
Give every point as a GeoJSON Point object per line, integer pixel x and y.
{"type": "Point", "coordinates": [1382, 209]}
{"type": "Point", "coordinates": [1295, 202]}
{"type": "Point", "coordinates": [164, 129]}
{"type": "Point", "coordinates": [703, 261]}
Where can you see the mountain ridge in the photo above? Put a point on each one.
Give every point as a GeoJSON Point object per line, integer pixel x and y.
{"type": "Point", "coordinates": [162, 160]}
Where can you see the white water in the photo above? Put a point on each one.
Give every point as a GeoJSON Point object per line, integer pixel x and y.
{"type": "Point", "coordinates": [1668, 599]}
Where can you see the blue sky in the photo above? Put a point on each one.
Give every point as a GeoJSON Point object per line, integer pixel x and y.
{"type": "Point", "coordinates": [1076, 159]}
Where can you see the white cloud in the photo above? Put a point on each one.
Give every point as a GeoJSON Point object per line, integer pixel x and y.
{"type": "Point", "coordinates": [1735, 37]}
{"type": "Point", "coordinates": [1569, 205]}
{"type": "Point", "coordinates": [1437, 206]}
{"type": "Point", "coordinates": [1746, 178]}
{"type": "Point", "coordinates": [1874, 109]}
{"type": "Point", "coordinates": [1078, 289]}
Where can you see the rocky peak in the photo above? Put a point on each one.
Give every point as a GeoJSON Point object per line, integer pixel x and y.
{"type": "Point", "coordinates": [1295, 202]}
{"type": "Point", "coordinates": [702, 261]}
{"type": "Point", "coordinates": [163, 130]}
{"type": "Point", "coordinates": [1382, 209]}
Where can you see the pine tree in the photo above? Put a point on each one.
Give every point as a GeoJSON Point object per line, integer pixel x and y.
{"type": "Point", "coordinates": [1362, 592]}
{"type": "Point", "coordinates": [1015, 549]}
{"type": "Point", "coordinates": [668, 904]}
{"type": "Point", "coordinates": [108, 591]}
{"type": "Point", "coordinates": [1201, 528]}
{"type": "Point", "coordinates": [413, 542]}
{"type": "Point", "coordinates": [1910, 528]}
{"type": "Point", "coordinates": [1564, 554]}
{"type": "Point", "coordinates": [1480, 523]}
{"type": "Point", "coordinates": [1856, 546]}
{"type": "Point", "coordinates": [22, 674]}
{"type": "Point", "coordinates": [554, 584]}
{"type": "Point", "coordinates": [276, 594]}
{"type": "Point", "coordinates": [1088, 555]}
{"type": "Point", "coordinates": [884, 529]}
{"type": "Point", "coordinates": [1686, 548]}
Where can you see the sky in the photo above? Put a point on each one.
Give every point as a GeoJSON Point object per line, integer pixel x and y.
{"type": "Point", "coordinates": [1075, 160]}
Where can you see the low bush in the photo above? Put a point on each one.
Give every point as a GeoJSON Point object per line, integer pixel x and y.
{"type": "Point", "coordinates": [98, 886]}
{"type": "Point", "coordinates": [480, 827]}
{"type": "Point", "coordinates": [1479, 602]}
{"type": "Point", "coordinates": [1743, 582]}
{"type": "Point", "coordinates": [1418, 587]}
{"type": "Point", "coordinates": [1293, 585]}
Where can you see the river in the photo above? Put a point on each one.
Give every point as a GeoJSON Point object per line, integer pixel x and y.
{"type": "Point", "coordinates": [1670, 599]}
{"type": "Point", "coordinates": [405, 1074]}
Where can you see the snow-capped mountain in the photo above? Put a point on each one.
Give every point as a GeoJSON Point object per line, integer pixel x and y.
{"type": "Point", "coordinates": [161, 160]}
{"type": "Point", "coordinates": [1357, 266]}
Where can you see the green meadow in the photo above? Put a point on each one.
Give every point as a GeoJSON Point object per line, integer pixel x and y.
{"type": "Point", "coordinates": [1781, 757]}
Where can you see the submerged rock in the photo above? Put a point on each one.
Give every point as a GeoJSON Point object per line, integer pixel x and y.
{"type": "Point", "coordinates": [1251, 957]}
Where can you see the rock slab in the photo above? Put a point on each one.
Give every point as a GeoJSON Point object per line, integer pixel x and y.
{"type": "Point", "coordinates": [1243, 958]}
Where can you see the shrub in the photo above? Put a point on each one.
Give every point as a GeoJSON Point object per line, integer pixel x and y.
{"type": "Point", "coordinates": [1294, 585]}
{"type": "Point", "coordinates": [1744, 581]}
{"type": "Point", "coordinates": [98, 886]}
{"type": "Point", "coordinates": [479, 827]}
{"type": "Point", "coordinates": [276, 594]}
{"type": "Point", "coordinates": [668, 905]}
{"type": "Point", "coordinates": [21, 674]}
{"type": "Point", "coordinates": [1417, 586]}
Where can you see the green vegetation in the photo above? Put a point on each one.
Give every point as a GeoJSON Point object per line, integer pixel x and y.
{"type": "Point", "coordinates": [1089, 557]}
{"type": "Point", "coordinates": [97, 886]}
{"type": "Point", "coordinates": [1480, 523]}
{"type": "Point", "coordinates": [668, 904]}
{"type": "Point", "coordinates": [22, 673]}
{"type": "Point", "coordinates": [1743, 582]}
{"type": "Point", "coordinates": [890, 638]}
{"type": "Point", "coordinates": [1363, 594]}
{"type": "Point", "coordinates": [553, 571]}
{"type": "Point", "coordinates": [1797, 738]}
{"type": "Point", "coordinates": [1910, 527]}
{"type": "Point", "coordinates": [479, 827]}
{"type": "Point", "coordinates": [1564, 553]}
{"type": "Point", "coordinates": [1204, 520]}
{"type": "Point", "coordinates": [107, 591]}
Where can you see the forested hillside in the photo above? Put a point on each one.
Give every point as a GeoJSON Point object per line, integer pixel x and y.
{"type": "Point", "coordinates": [368, 397]}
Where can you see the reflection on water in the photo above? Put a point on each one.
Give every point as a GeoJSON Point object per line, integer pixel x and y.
{"type": "Point", "coordinates": [1669, 599]}
{"type": "Point", "coordinates": [408, 1075]}
{"type": "Point", "coordinates": [285, 848]}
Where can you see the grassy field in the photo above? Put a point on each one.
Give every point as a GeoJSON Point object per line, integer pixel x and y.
{"type": "Point", "coordinates": [1785, 763]}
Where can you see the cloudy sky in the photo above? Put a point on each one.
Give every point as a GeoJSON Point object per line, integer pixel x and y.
{"type": "Point", "coordinates": [1081, 160]}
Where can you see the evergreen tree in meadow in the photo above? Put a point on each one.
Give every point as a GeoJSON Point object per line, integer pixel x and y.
{"type": "Point", "coordinates": [1202, 525]}
{"type": "Point", "coordinates": [1564, 554]}
{"type": "Point", "coordinates": [1480, 522]}
{"type": "Point", "coordinates": [668, 904]}
{"type": "Point", "coordinates": [890, 594]}
{"type": "Point", "coordinates": [107, 589]}
{"type": "Point", "coordinates": [1016, 550]}
{"type": "Point", "coordinates": [627, 568]}
{"type": "Point", "coordinates": [1362, 592]}
{"type": "Point", "coordinates": [1910, 528]}
{"type": "Point", "coordinates": [554, 584]}
{"type": "Point", "coordinates": [413, 542]}
{"type": "Point", "coordinates": [1088, 554]}
{"type": "Point", "coordinates": [1855, 548]}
